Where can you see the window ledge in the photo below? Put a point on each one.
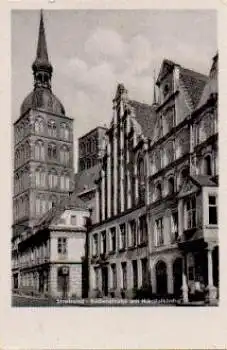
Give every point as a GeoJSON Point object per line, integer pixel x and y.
{"type": "Point", "coordinates": [211, 226]}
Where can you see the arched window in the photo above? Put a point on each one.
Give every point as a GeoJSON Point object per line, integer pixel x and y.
{"type": "Point", "coordinates": [207, 165]}
{"type": "Point", "coordinates": [39, 150]}
{"type": "Point", "coordinates": [40, 177]}
{"type": "Point", "coordinates": [65, 182]}
{"type": "Point", "coordinates": [141, 179]}
{"type": "Point", "coordinates": [52, 130]}
{"type": "Point", "coordinates": [52, 151]}
{"type": "Point", "coordinates": [38, 205]}
{"type": "Point", "coordinates": [183, 175]}
{"type": "Point", "coordinates": [64, 155]}
{"type": "Point", "coordinates": [53, 178]}
{"type": "Point", "coordinates": [39, 125]}
{"type": "Point", "coordinates": [64, 131]}
{"type": "Point", "coordinates": [171, 185]}
{"type": "Point", "coordinates": [158, 191]}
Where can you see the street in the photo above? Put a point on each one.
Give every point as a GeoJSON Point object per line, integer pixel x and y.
{"type": "Point", "coordinates": [26, 301]}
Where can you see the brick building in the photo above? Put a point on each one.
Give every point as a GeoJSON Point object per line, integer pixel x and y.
{"type": "Point", "coordinates": [91, 148]}
{"type": "Point", "coordinates": [157, 192]}
{"type": "Point", "coordinates": [49, 220]}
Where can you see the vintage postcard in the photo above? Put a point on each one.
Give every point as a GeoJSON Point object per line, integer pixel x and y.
{"type": "Point", "coordinates": [114, 161]}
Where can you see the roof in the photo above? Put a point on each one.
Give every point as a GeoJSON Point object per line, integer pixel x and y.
{"type": "Point", "coordinates": [212, 83]}
{"type": "Point", "coordinates": [145, 115]}
{"type": "Point", "coordinates": [194, 83]}
{"type": "Point", "coordinates": [204, 180]}
{"type": "Point", "coordinates": [42, 61]}
{"type": "Point", "coordinates": [70, 202]}
{"type": "Point", "coordinates": [42, 98]}
{"type": "Point", "coordinates": [85, 180]}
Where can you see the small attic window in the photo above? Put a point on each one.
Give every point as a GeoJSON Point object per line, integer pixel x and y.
{"type": "Point", "coordinates": [73, 220]}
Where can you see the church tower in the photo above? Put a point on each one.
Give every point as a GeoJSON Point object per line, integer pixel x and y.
{"type": "Point", "coordinates": [43, 145]}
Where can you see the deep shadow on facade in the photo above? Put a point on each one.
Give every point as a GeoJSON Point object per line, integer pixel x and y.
{"type": "Point", "coordinates": [140, 218]}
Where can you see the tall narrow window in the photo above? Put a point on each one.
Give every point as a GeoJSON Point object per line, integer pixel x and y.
{"type": "Point", "coordinates": [113, 238]}
{"type": "Point", "coordinates": [159, 232]}
{"type": "Point", "coordinates": [141, 180]}
{"type": "Point", "coordinates": [124, 274]}
{"type": "Point", "coordinates": [207, 165]}
{"type": "Point", "coordinates": [95, 244]}
{"type": "Point", "coordinates": [39, 150]}
{"type": "Point", "coordinates": [52, 151]}
{"type": "Point", "coordinates": [142, 229]}
{"type": "Point", "coordinates": [213, 210]}
{"type": "Point", "coordinates": [145, 272]}
{"type": "Point", "coordinates": [114, 275]}
{"type": "Point", "coordinates": [103, 242]}
{"type": "Point", "coordinates": [62, 246]}
{"type": "Point", "coordinates": [190, 213]}
{"type": "Point", "coordinates": [171, 185]}
{"type": "Point", "coordinates": [122, 236]}
{"type": "Point", "coordinates": [135, 273]}
{"type": "Point", "coordinates": [64, 155]}
{"type": "Point", "coordinates": [52, 130]}
{"type": "Point", "coordinates": [174, 227]}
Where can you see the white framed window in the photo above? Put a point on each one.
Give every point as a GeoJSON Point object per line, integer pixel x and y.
{"type": "Point", "coordinates": [213, 210]}
{"type": "Point", "coordinates": [62, 246]}
{"type": "Point", "coordinates": [73, 220]}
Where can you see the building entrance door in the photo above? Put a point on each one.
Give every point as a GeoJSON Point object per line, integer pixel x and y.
{"type": "Point", "coordinates": [105, 280]}
{"type": "Point", "coordinates": [161, 278]}
{"type": "Point", "coordinates": [177, 277]}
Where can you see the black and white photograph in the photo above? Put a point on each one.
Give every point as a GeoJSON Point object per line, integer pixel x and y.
{"type": "Point", "coordinates": [115, 171]}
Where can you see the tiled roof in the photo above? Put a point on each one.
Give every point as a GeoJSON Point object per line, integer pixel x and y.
{"type": "Point", "coordinates": [71, 202]}
{"type": "Point", "coordinates": [211, 85]}
{"type": "Point", "coordinates": [85, 180]}
{"type": "Point", "coordinates": [194, 84]}
{"type": "Point", "coordinates": [145, 115]}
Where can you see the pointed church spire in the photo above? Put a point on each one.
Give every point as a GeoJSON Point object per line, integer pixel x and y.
{"type": "Point", "coordinates": [41, 64]}
{"type": "Point", "coordinates": [41, 53]}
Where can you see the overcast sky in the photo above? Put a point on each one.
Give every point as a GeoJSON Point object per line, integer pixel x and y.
{"type": "Point", "coordinates": [93, 50]}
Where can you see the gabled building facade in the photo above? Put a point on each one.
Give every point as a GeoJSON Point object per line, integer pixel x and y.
{"type": "Point", "coordinates": [146, 225]}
